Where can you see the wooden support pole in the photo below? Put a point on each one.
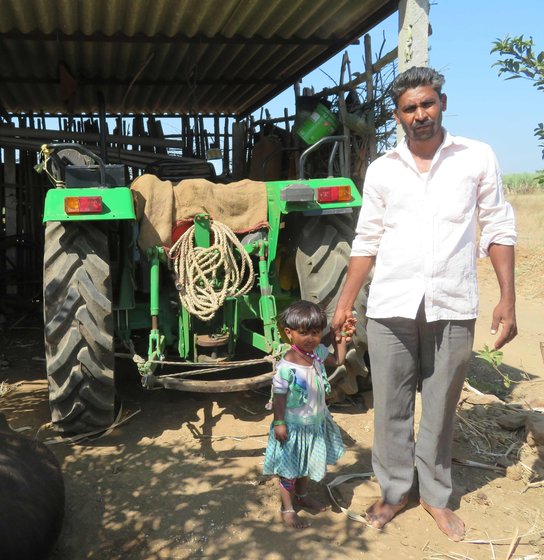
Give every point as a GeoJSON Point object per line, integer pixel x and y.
{"type": "Point", "coordinates": [183, 133]}
{"type": "Point", "coordinates": [203, 137]}
{"type": "Point", "coordinates": [372, 143]}
{"type": "Point", "coordinates": [238, 150]}
{"type": "Point", "coordinates": [345, 151]}
{"type": "Point", "coordinates": [413, 38]}
{"type": "Point", "coordinates": [196, 136]}
{"type": "Point", "coordinates": [10, 200]}
{"type": "Point", "coordinates": [413, 33]}
{"type": "Point", "coordinates": [286, 120]}
{"type": "Point", "coordinates": [216, 131]}
{"type": "Point", "coordinates": [226, 147]}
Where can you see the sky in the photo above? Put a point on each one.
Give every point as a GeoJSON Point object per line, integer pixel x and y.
{"type": "Point", "coordinates": [481, 105]}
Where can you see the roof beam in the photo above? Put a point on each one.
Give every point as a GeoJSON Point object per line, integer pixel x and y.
{"type": "Point", "coordinates": [82, 81]}
{"type": "Point", "coordinates": [178, 38]}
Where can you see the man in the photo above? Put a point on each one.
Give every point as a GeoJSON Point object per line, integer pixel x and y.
{"type": "Point", "coordinates": [422, 202]}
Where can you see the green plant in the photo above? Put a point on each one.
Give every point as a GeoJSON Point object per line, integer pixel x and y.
{"type": "Point", "coordinates": [519, 60]}
{"type": "Point", "coordinates": [523, 183]}
{"type": "Point", "coordinates": [494, 358]}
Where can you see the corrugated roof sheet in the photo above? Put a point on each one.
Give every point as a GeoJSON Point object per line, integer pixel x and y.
{"type": "Point", "coordinates": [169, 56]}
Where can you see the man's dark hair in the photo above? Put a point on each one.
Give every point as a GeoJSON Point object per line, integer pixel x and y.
{"type": "Point", "coordinates": [303, 316]}
{"type": "Point", "coordinates": [415, 77]}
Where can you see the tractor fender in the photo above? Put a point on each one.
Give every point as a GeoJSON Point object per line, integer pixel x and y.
{"type": "Point", "coordinates": [116, 204]}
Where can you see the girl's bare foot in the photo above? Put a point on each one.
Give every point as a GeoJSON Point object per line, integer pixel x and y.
{"type": "Point", "coordinates": [291, 519]}
{"type": "Point", "coordinates": [381, 513]}
{"type": "Point", "coordinates": [447, 521]}
{"type": "Point", "coordinates": [310, 503]}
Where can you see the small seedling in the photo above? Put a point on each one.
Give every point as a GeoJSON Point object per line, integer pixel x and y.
{"type": "Point", "coordinates": [494, 358]}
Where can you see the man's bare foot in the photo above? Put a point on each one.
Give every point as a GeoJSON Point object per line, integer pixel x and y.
{"type": "Point", "coordinates": [447, 521]}
{"type": "Point", "coordinates": [291, 519]}
{"type": "Point", "coordinates": [380, 513]}
{"type": "Point", "coordinates": [310, 503]}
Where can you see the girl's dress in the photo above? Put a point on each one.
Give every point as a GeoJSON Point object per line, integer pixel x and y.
{"type": "Point", "coordinates": [314, 440]}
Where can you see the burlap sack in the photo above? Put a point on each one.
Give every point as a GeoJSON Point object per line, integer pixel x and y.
{"type": "Point", "coordinates": [242, 206]}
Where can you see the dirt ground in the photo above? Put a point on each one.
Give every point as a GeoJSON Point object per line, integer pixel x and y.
{"type": "Point", "coordinates": [182, 477]}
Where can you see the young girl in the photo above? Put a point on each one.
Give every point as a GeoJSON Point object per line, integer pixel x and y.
{"type": "Point", "coordinates": [303, 437]}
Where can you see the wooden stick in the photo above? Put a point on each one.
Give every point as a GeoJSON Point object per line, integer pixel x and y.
{"type": "Point", "coordinates": [513, 544]}
{"type": "Point", "coordinates": [386, 59]}
{"type": "Point", "coordinates": [476, 464]}
{"type": "Point", "coordinates": [536, 484]}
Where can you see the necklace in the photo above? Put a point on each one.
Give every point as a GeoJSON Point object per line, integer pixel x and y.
{"type": "Point", "coordinates": [312, 355]}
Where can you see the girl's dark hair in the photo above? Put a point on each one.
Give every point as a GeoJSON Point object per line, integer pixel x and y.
{"type": "Point", "coordinates": [303, 316]}
{"type": "Point", "coordinates": [414, 77]}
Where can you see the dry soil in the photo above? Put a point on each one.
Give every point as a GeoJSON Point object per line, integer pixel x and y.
{"type": "Point", "coordinates": [182, 477]}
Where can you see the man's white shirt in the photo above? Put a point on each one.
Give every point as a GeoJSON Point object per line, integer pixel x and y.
{"type": "Point", "coordinates": [422, 228]}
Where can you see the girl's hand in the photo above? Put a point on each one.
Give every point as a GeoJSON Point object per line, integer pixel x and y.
{"type": "Point", "coordinates": [347, 330]}
{"type": "Point", "coordinates": [340, 319]}
{"type": "Point", "coordinates": [280, 432]}
{"type": "Point", "coordinates": [350, 326]}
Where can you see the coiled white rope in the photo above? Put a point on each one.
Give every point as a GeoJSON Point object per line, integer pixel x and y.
{"type": "Point", "coordinates": [206, 276]}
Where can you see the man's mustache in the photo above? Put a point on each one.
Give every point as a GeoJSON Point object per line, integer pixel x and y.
{"type": "Point", "coordinates": [423, 124]}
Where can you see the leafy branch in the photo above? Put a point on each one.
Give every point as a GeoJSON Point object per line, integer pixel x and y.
{"type": "Point", "coordinates": [520, 60]}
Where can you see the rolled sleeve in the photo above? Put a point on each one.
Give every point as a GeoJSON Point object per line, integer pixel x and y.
{"type": "Point", "coordinates": [369, 231]}
{"type": "Point", "coordinates": [495, 214]}
{"type": "Point", "coordinates": [279, 385]}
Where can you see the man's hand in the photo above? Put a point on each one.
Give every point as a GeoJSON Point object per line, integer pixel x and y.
{"type": "Point", "coordinates": [280, 432]}
{"type": "Point", "coordinates": [502, 259]}
{"type": "Point", "coordinates": [343, 325]}
{"type": "Point", "coordinates": [504, 314]}
{"type": "Point", "coordinates": [343, 322]}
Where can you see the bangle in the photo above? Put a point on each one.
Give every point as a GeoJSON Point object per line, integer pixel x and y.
{"type": "Point", "coordinates": [278, 423]}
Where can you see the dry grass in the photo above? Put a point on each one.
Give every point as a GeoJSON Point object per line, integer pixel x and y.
{"type": "Point", "coordinates": [529, 210]}
{"type": "Point", "coordinates": [6, 388]}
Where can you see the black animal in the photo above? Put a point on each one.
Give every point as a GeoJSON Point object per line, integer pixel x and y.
{"type": "Point", "coordinates": [31, 497]}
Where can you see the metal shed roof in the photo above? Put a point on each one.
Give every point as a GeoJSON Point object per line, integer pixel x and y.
{"type": "Point", "coordinates": [168, 56]}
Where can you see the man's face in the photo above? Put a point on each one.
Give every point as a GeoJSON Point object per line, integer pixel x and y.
{"type": "Point", "coordinates": [419, 112]}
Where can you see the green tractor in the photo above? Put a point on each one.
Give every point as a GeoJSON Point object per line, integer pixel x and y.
{"type": "Point", "coordinates": [103, 292]}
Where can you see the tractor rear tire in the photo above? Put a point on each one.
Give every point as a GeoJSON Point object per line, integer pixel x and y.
{"type": "Point", "coordinates": [322, 258]}
{"type": "Point", "coordinates": [78, 322]}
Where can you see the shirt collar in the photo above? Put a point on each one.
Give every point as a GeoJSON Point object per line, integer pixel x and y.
{"type": "Point", "coordinates": [402, 151]}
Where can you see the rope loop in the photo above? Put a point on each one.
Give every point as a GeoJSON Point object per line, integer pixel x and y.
{"type": "Point", "coordinates": [206, 276]}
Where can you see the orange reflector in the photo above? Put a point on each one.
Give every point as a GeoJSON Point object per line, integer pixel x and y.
{"type": "Point", "coordinates": [83, 204]}
{"type": "Point", "coordinates": [334, 194]}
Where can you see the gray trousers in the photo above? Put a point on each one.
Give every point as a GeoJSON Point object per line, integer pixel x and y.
{"type": "Point", "coordinates": [403, 353]}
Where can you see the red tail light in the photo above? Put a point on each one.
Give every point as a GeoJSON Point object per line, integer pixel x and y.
{"type": "Point", "coordinates": [334, 194]}
{"type": "Point", "coordinates": [83, 204]}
